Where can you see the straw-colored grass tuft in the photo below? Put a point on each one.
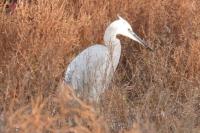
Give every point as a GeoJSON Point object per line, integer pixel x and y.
{"type": "Point", "coordinates": [152, 91]}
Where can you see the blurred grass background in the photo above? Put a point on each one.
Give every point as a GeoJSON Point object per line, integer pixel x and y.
{"type": "Point", "coordinates": [152, 92]}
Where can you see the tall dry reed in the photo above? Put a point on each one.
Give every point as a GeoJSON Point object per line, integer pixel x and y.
{"type": "Point", "coordinates": [152, 91]}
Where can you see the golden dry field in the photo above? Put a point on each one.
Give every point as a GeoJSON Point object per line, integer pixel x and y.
{"type": "Point", "coordinates": [153, 92]}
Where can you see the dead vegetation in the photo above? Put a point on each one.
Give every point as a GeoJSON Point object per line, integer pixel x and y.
{"type": "Point", "coordinates": [152, 92]}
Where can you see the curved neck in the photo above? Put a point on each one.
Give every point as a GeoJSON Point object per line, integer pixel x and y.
{"type": "Point", "coordinates": [110, 36]}
{"type": "Point", "coordinates": [113, 44]}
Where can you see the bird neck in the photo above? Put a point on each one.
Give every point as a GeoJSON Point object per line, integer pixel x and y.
{"type": "Point", "coordinates": [110, 36]}
{"type": "Point", "coordinates": [116, 53]}
{"type": "Point", "coordinates": [113, 44]}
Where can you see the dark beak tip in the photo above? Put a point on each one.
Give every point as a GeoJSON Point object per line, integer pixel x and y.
{"type": "Point", "coordinates": [150, 49]}
{"type": "Point", "coordinates": [147, 46]}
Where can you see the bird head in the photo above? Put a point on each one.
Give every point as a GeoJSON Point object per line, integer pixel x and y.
{"type": "Point", "coordinates": [125, 29]}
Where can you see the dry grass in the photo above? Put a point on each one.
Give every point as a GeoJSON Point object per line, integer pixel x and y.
{"type": "Point", "coordinates": [153, 91]}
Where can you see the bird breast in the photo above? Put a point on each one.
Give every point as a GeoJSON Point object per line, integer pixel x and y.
{"type": "Point", "coordinates": [91, 71]}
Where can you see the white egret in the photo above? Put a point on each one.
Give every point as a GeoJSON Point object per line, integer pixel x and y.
{"type": "Point", "coordinates": [90, 73]}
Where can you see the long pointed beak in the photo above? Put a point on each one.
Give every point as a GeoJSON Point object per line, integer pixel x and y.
{"type": "Point", "coordinates": [142, 42]}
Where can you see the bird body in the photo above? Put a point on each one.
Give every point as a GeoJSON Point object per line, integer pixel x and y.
{"type": "Point", "coordinates": [91, 71]}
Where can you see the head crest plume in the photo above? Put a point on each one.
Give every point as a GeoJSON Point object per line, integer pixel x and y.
{"type": "Point", "coordinates": [119, 17]}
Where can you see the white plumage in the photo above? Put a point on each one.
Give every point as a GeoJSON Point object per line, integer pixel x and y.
{"type": "Point", "coordinates": [91, 71]}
